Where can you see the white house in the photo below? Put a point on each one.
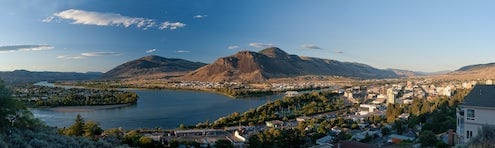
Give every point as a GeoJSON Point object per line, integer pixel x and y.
{"type": "Point", "coordinates": [489, 82]}
{"type": "Point", "coordinates": [291, 93]}
{"type": "Point", "coordinates": [367, 108]}
{"type": "Point", "coordinates": [476, 110]}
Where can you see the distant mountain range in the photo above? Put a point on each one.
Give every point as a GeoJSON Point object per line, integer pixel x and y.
{"type": "Point", "coordinates": [244, 66]}
{"type": "Point", "coordinates": [152, 67]}
{"type": "Point", "coordinates": [24, 76]}
{"type": "Point", "coordinates": [475, 67]}
{"type": "Point", "coordinates": [470, 72]}
{"type": "Point", "coordinates": [276, 63]}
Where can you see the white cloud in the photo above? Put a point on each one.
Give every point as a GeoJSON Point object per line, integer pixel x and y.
{"type": "Point", "coordinates": [108, 19]}
{"type": "Point", "coordinates": [70, 57]}
{"type": "Point", "coordinates": [310, 46]}
{"type": "Point", "coordinates": [171, 26]}
{"type": "Point", "coordinates": [12, 48]}
{"type": "Point", "coordinates": [88, 54]}
{"type": "Point", "coordinates": [233, 47]}
{"type": "Point", "coordinates": [48, 19]}
{"type": "Point", "coordinates": [199, 16]}
{"type": "Point", "coordinates": [261, 45]}
{"type": "Point", "coordinates": [182, 51]}
{"type": "Point", "coordinates": [151, 50]}
{"type": "Point", "coordinates": [97, 54]}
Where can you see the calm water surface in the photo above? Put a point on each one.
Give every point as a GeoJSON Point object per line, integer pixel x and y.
{"type": "Point", "coordinates": [160, 108]}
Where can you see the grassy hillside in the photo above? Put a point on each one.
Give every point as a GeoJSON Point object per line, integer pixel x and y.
{"type": "Point", "coordinates": [18, 128]}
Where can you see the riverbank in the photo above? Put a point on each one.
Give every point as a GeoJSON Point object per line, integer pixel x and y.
{"type": "Point", "coordinates": [166, 109]}
{"type": "Point", "coordinates": [85, 108]}
{"type": "Point", "coordinates": [232, 90]}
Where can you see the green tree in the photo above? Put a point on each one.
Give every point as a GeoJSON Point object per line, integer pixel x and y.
{"type": "Point", "coordinates": [76, 129]}
{"type": "Point", "coordinates": [385, 131]}
{"type": "Point", "coordinates": [412, 121]}
{"type": "Point", "coordinates": [114, 135]}
{"type": "Point", "coordinates": [132, 138]}
{"type": "Point", "coordinates": [392, 112]}
{"type": "Point", "coordinates": [222, 143]}
{"type": "Point", "coordinates": [13, 112]}
{"type": "Point", "coordinates": [91, 128]}
{"type": "Point", "coordinates": [321, 129]}
{"type": "Point", "coordinates": [182, 126]}
{"type": "Point", "coordinates": [398, 125]}
{"type": "Point", "coordinates": [145, 142]}
{"type": "Point", "coordinates": [428, 138]}
{"type": "Point", "coordinates": [425, 108]}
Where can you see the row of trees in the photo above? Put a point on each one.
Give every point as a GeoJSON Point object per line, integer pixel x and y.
{"type": "Point", "coordinates": [88, 129]}
{"type": "Point", "coordinates": [284, 109]}
{"type": "Point", "coordinates": [277, 138]}
{"type": "Point", "coordinates": [91, 130]}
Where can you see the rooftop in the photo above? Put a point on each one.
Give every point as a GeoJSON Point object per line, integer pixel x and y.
{"type": "Point", "coordinates": [481, 95]}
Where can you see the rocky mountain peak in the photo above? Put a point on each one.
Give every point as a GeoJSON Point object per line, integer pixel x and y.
{"type": "Point", "coordinates": [274, 52]}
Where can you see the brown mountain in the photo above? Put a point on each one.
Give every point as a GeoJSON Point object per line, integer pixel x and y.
{"type": "Point", "coordinates": [276, 63]}
{"type": "Point", "coordinates": [471, 72]}
{"type": "Point", "coordinates": [152, 67]}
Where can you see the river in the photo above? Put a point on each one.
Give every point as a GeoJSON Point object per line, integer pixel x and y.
{"type": "Point", "coordinates": [159, 108]}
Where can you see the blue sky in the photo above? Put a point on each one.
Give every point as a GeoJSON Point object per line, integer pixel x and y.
{"type": "Point", "coordinates": [97, 35]}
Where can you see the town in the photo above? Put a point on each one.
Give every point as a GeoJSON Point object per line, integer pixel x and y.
{"type": "Point", "coordinates": [415, 113]}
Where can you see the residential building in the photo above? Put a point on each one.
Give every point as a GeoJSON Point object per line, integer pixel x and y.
{"type": "Point", "coordinates": [274, 123]}
{"type": "Point", "coordinates": [489, 82]}
{"type": "Point", "coordinates": [394, 138]}
{"type": "Point", "coordinates": [476, 110]}
{"type": "Point", "coordinates": [390, 96]}
{"type": "Point", "coordinates": [367, 108]}
{"type": "Point", "coordinates": [291, 93]}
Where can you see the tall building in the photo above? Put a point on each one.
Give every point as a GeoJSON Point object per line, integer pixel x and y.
{"type": "Point", "coordinates": [476, 110]}
{"type": "Point", "coordinates": [390, 96]}
{"type": "Point", "coordinates": [489, 82]}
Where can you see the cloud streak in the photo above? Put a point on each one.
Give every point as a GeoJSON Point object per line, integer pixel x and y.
{"type": "Point", "coordinates": [107, 19]}
{"type": "Point", "coordinates": [310, 46]}
{"type": "Point", "coordinates": [171, 25]}
{"type": "Point", "coordinates": [199, 16]}
{"type": "Point", "coordinates": [261, 45]}
{"type": "Point", "coordinates": [12, 48]}
{"type": "Point", "coordinates": [98, 54]}
{"type": "Point", "coordinates": [182, 51]}
{"type": "Point", "coordinates": [233, 47]}
{"type": "Point", "coordinates": [151, 50]}
{"type": "Point", "coordinates": [70, 57]}
{"type": "Point", "coordinates": [88, 54]}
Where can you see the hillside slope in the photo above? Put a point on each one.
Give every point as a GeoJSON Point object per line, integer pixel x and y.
{"type": "Point", "coordinates": [150, 66]}
{"type": "Point", "coordinates": [276, 63]}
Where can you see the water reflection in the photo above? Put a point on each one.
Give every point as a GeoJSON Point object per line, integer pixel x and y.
{"type": "Point", "coordinates": [160, 108]}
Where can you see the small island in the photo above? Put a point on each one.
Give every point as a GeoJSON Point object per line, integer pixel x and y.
{"type": "Point", "coordinates": [44, 96]}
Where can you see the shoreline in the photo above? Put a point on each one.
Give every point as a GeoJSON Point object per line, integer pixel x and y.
{"type": "Point", "coordinates": [84, 108]}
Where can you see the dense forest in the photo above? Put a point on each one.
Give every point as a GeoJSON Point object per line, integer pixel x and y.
{"type": "Point", "coordinates": [57, 96]}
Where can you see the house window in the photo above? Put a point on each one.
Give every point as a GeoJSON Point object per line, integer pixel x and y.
{"type": "Point", "coordinates": [469, 134]}
{"type": "Point", "coordinates": [470, 114]}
